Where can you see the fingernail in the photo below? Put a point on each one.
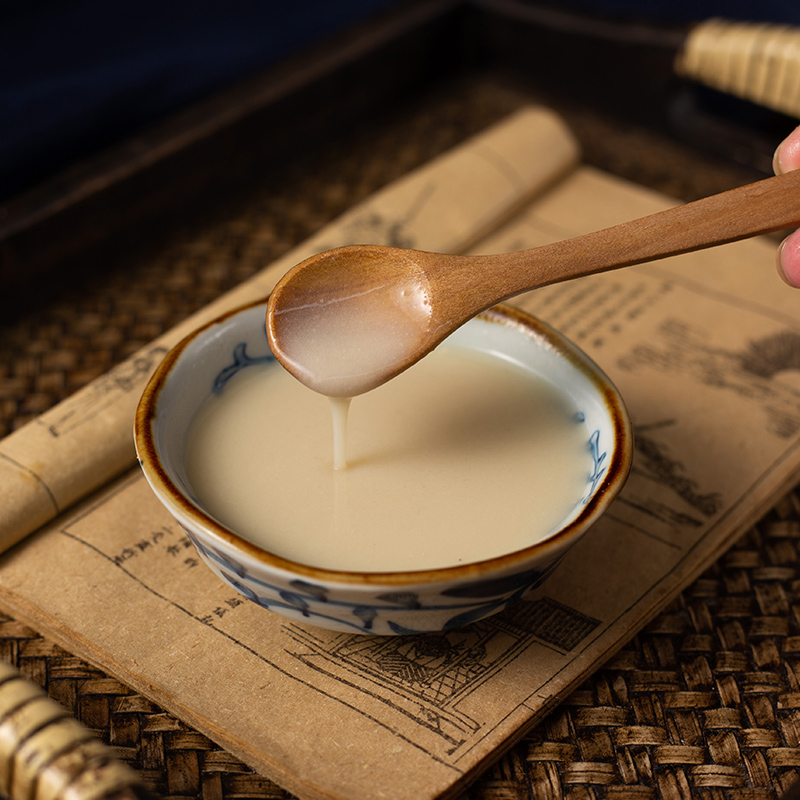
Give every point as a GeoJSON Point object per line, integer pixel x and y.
{"type": "Point", "coordinates": [777, 167]}
{"type": "Point", "coordinates": [779, 263]}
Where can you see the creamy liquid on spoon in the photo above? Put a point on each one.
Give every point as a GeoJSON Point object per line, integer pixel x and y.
{"type": "Point", "coordinates": [461, 458]}
{"type": "Point", "coordinates": [348, 345]}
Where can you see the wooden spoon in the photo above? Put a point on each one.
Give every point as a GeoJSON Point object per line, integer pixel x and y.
{"type": "Point", "coordinates": [349, 319]}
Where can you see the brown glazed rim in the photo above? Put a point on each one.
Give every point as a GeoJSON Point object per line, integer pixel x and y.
{"type": "Point", "coordinates": [609, 486]}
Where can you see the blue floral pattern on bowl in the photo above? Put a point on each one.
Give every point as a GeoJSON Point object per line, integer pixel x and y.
{"type": "Point", "coordinates": [239, 360]}
{"type": "Point", "coordinates": [387, 612]}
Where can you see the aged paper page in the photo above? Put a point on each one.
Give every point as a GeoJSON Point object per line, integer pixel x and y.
{"type": "Point", "coordinates": [86, 440]}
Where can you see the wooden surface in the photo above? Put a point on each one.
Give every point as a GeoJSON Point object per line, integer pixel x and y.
{"type": "Point", "coordinates": [704, 703]}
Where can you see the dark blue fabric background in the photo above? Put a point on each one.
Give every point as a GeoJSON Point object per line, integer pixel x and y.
{"type": "Point", "coordinates": [78, 75]}
{"type": "Point", "coordinates": [784, 11]}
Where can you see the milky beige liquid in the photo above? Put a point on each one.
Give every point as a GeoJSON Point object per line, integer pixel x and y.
{"type": "Point", "coordinates": [344, 343]}
{"type": "Point", "coordinates": [459, 459]}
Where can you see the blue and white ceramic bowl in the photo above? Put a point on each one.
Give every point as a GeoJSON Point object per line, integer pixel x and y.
{"type": "Point", "coordinates": [361, 602]}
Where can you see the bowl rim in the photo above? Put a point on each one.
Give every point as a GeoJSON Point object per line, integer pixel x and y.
{"type": "Point", "coordinates": [182, 507]}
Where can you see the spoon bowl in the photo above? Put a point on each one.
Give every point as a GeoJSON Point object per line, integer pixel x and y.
{"type": "Point", "coordinates": [347, 320]}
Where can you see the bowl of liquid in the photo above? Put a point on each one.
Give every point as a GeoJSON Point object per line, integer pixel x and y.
{"type": "Point", "coordinates": [464, 480]}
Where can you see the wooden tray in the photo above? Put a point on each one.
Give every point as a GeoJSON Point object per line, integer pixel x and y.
{"type": "Point", "coordinates": [705, 701]}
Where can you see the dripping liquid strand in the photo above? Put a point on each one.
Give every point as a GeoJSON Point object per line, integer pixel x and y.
{"type": "Point", "coordinates": [339, 408]}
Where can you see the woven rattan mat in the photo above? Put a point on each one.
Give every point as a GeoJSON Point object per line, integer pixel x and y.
{"type": "Point", "coordinates": [704, 703]}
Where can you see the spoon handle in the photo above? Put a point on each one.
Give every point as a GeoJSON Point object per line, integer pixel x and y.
{"type": "Point", "coordinates": [769, 205]}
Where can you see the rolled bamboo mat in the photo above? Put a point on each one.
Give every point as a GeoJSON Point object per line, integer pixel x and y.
{"type": "Point", "coordinates": [760, 63]}
{"type": "Point", "coordinates": [704, 703]}
{"type": "Point", "coordinates": [46, 754]}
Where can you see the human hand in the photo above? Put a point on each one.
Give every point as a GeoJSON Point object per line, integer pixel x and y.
{"type": "Point", "coordinates": [787, 158]}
